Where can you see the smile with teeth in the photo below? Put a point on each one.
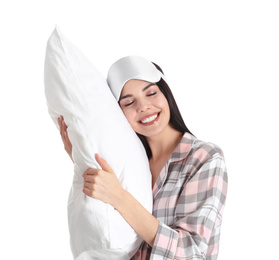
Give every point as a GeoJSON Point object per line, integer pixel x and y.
{"type": "Point", "coordinates": [149, 119]}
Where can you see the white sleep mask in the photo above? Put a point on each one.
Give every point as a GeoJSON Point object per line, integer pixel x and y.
{"type": "Point", "coordinates": [131, 67]}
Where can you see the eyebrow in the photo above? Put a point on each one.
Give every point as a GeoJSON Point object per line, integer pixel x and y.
{"type": "Point", "coordinates": [148, 86]}
{"type": "Point", "coordinates": [145, 88]}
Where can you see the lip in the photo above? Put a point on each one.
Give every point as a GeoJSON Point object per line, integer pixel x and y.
{"type": "Point", "coordinates": [152, 122]}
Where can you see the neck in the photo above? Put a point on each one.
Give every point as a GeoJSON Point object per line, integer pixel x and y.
{"type": "Point", "coordinates": [163, 144]}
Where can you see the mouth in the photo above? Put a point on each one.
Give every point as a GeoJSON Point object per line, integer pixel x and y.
{"type": "Point", "coordinates": [149, 120]}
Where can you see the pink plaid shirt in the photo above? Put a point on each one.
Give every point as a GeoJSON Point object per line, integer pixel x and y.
{"type": "Point", "coordinates": [189, 198]}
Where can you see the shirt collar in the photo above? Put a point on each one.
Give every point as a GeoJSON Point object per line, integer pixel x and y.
{"type": "Point", "coordinates": [180, 152]}
{"type": "Point", "coordinates": [183, 148]}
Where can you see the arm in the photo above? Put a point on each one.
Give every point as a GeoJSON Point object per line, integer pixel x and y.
{"type": "Point", "coordinates": [144, 223]}
{"type": "Point", "coordinates": [198, 214]}
{"type": "Point", "coordinates": [196, 220]}
{"type": "Point", "coordinates": [104, 185]}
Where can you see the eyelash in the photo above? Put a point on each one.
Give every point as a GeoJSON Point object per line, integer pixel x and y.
{"type": "Point", "coordinates": [149, 95]}
{"type": "Point", "coordinates": [129, 104]}
{"type": "Point", "coordinates": [152, 94]}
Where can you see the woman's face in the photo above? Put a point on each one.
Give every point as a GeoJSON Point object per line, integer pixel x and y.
{"type": "Point", "coordinates": [145, 107]}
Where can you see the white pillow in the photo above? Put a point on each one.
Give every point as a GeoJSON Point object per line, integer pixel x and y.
{"type": "Point", "coordinates": [96, 124]}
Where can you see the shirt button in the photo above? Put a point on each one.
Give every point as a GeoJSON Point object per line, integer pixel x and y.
{"type": "Point", "coordinates": [138, 253]}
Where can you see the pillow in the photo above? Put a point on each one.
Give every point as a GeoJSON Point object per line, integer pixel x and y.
{"type": "Point", "coordinates": [76, 90]}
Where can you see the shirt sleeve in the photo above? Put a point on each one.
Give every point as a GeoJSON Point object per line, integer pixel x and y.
{"type": "Point", "coordinates": [198, 215]}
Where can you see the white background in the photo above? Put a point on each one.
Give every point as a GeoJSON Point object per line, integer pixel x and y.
{"type": "Point", "coordinates": [221, 59]}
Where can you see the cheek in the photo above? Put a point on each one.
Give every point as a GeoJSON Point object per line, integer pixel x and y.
{"type": "Point", "coordinates": [162, 103]}
{"type": "Point", "coordinates": [165, 107]}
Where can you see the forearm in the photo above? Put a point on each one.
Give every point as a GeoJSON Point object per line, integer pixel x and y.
{"type": "Point", "coordinates": [137, 216]}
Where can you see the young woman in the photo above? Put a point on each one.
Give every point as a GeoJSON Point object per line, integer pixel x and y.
{"type": "Point", "coordinates": [189, 176]}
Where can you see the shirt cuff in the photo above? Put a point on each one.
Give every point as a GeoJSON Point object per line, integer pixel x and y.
{"type": "Point", "coordinates": [165, 243]}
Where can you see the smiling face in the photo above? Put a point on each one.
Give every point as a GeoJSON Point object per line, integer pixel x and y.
{"type": "Point", "coordinates": [145, 107]}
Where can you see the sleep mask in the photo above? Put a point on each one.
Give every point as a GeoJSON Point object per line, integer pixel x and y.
{"type": "Point", "coordinates": [131, 67]}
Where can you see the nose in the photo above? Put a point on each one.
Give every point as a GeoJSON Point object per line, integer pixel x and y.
{"type": "Point", "coordinates": [143, 105]}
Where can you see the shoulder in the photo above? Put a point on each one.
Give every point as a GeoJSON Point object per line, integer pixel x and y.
{"type": "Point", "coordinates": [199, 156]}
{"type": "Point", "coordinates": [206, 161]}
{"type": "Point", "coordinates": [192, 148]}
{"type": "Point", "coordinates": [200, 163]}
{"type": "Point", "coordinates": [205, 151]}
{"type": "Point", "coordinates": [192, 154]}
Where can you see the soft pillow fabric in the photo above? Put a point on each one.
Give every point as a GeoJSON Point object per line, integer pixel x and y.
{"type": "Point", "coordinates": [96, 124]}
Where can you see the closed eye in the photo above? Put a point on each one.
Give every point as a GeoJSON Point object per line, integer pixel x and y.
{"type": "Point", "coordinates": [152, 94]}
{"type": "Point", "coordinates": [129, 104]}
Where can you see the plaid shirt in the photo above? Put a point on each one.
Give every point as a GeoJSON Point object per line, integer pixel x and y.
{"type": "Point", "coordinates": [189, 197]}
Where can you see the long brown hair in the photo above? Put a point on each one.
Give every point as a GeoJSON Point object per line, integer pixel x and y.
{"type": "Point", "coordinates": [176, 120]}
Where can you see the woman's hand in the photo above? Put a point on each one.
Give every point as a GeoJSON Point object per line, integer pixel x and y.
{"type": "Point", "coordinates": [105, 186]}
{"type": "Point", "coordinates": [64, 135]}
{"type": "Point", "coordinates": [102, 184]}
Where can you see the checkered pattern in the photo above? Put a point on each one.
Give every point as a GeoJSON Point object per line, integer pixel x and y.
{"type": "Point", "coordinates": [189, 198]}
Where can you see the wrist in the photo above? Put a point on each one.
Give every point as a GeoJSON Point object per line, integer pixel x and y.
{"type": "Point", "coordinates": [141, 220]}
{"type": "Point", "coordinates": [120, 198]}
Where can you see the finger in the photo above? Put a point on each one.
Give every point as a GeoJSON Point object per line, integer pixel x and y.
{"type": "Point", "coordinates": [90, 191]}
{"type": "Point", "coordinates": [88, 185]}
{"type": "Point", "coordinates": [90, 171]}
{"type": "Point", "coordinates": [67, 136]}
{"type": "Point", "coordinates": [89, 178]}
{"type": "Point", "coordinates": [87, 192]}
{"type": "Point", "coordinates": [103, 163]}
{"type": "Point", "coordinates": [64, 124]}
{"type": "Point", "coordinates": [63, 130]}
{"type": "Point", "coordinates": [60, 125]}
